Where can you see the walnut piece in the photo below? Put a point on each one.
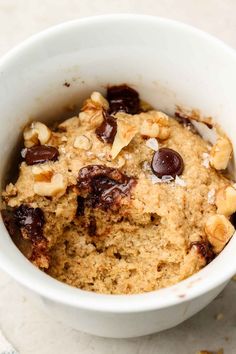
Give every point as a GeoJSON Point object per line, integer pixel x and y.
{"type": "Point", "coordinates": [92, 111]}
{"type": "Point", "coordinates": [97, 98]}
{"type": "Point", "coordinates": [219, 230]}
{"type": "Point", "coordinates": [36, 133]}
{"type": "Point", "coordinates": [11, 190]}
{"type": "Point", "coordinates": [56, 186]}
{"type": "Point", "coordinates": [69, 124]}
{"type": "Point", "coordinates": [154, 124]}
{"type": "Point", "coordinates": [42, 173]}
{"type": "Point", "coordinates": [221, 153]}
{"type": "Point", "coordinates": [82, 142]}
{"type": "Point", "coordinates": [226, 201]}
{"type": "Point", "coordinates": [126, 131]}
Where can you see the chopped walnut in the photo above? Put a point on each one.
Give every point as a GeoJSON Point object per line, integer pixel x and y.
{"type": "Point", "coordinates": [55, 187]}
{"type": "Point", "coordinates": [82, 142]}
{"type": "Point", "coordinates": [100, 100]}
{"type": "Point", "coordinates": [221, 153]}
{"type": "Point", "coordinates": [219, 230]}
{"type": "Point", "coordinates": [226, 201]}
{"type": "Point", "coordinates": [36, 133]}
{"type": "Point", "coordinates": [69, 124]}
{"type": "Point", "coordinates": [11, 190]}
{"type": "Point", "coordinates": [154, 125]}
{"type": "Point", "coordinates": [42, 173]}
{"type": "Point", "coordinates": [92, 110]}
{"type": "Point", "coordinates": [126, 131]}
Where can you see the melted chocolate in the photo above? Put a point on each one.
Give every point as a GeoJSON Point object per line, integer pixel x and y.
{"type": "Point", "coordinates": [103, 187]}
{"type": "Point", "coordinates": [107, 130]}
{"type": "Point", "coordinates": [31, 220]}
{"type": "Point", "coordinates": [204, 249]}
{"type": "Point", "coordinates": [25, 246]}
{"type": "Point", "coordinates": [80, 206]}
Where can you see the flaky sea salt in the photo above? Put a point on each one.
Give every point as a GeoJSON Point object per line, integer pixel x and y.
{"type": "Point", "coordinates": [208, 134]}
{"type": "Point", "coordinates": [211, 196]}
{"type": "Point", "coordinates": [23, 153]}
{"type": "Point", "coordinates": [167, 179]}
{"type": "Point", "coordinates": [146, 166]}
{"type": "Point", "coordinates": [206, 160]}
{"type": "Point", "coordinates": [152, 143]}
{"type": "Point", "coordinates": [180, 182]}
{"type": "Point", "coordinates": [155, 179]}
{"type": "Point", "coordinates": [163, 179]}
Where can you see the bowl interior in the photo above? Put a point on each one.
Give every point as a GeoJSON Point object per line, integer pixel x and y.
{"type": "Point", "coordinates": [168, 63]}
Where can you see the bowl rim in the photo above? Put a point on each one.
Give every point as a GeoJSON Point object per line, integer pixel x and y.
{"type": "Point", "coordinates": [51, 289]}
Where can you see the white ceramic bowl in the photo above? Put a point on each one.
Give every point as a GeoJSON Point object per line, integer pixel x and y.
{"type": "Point", "coordinates": [169, 63]}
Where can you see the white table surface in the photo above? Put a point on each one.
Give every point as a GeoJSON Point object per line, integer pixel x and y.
{"type": "Point", "coordinates": [27, 327]}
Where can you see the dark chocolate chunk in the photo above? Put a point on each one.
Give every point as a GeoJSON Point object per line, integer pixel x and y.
{"type": "Point", "coordinates": [31, 220]}
{"type": "Point", "coordinates": [80, 206]}
{"type": "Point", "coordinates": [103, 187]}
{"type": "Point", "coordinates": [41, 153]}
{"type": "Point", "coordinates": [25, 246]}
{"type": "Point", "coordinates": [204, 249]}
{"type": "Point", "coordinates": [107, 130]}
{"type": "Point", "coordinates": [167, 162]}
{"type": "Point", "coordinates": [25, 226]}
{"type": "Point", "coordinates": [123, 98]}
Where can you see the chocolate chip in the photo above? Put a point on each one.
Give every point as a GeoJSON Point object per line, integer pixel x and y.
{"type": "Point", "coordinates": [204, 249]}
{"type": "Point", "coordinates": [166, 161]}
{"type": "Point", "coordinates": [103, 187]}
{"type": "Point", "coordinates": [80, 206]}
{"type": "Point", "coordinates": [123, 98]}
{"type": "Point", "coordinates": [31, 220]}
{"type": "Point", "coordinates": [107, 130]}
{"type": "Point", "coordinates": [41, 153]}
